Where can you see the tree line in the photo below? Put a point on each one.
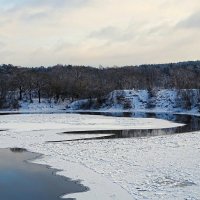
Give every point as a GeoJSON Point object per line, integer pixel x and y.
{"type": "Point", "coordinates": [78, 82]}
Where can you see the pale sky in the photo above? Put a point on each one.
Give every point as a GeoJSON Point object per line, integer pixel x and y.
{"type": "Point", "coordinates": [98, 32]}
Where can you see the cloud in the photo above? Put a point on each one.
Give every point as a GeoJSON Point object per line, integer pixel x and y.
{"type": "Point", "coordinates": [36, 10]}
{"type": "Point", "coordinates": [2, 44]}
{"type": "Point", "coordinates": [193, 21]}
{"type": "Point", "coordinates": [16, 5]}
{"type": "Point", "coordinates": [34, 16]}
{"type": "Point", "coordinates": [108, 34]}
{"type": "Point", "coordinates": [94, 32]}
{"type": "Point", "coordinates": [113, 34]}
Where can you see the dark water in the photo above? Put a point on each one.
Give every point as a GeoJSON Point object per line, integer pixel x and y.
{"type": "Point", "coordinates": [192, 123]}
{"type": "Point", "coordinates": [21, 180]}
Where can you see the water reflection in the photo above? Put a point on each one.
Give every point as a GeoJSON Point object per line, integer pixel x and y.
{"type": "Point", "coordinates": [192, 123]}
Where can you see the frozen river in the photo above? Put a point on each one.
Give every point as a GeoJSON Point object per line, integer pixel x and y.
{"type": "Point", "coordinates": [162, 167]}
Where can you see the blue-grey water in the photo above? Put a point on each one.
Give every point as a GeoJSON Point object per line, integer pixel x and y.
{"type": "Point", "coordinates": [21, 180]}
{"type": "Point", "coordinates": [192, 123]}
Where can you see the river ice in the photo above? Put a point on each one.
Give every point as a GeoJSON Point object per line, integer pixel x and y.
{"type": "Point", "coordinates": [162, 167]}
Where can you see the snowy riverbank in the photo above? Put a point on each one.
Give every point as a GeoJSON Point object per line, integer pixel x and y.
{"type": "Point", "coordinates": [163, 167]}
{"type": "Point", "coordinates": [158, 100]}
{"type": "Point", "coordinates": [165, 100]}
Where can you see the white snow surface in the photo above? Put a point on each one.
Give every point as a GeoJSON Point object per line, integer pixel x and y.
{"type": "Point", "coordinates": [77, 122]}
{"type": "Point", "coordinates": [44, 106]}
{"type": "Point", "coordinates": [163, 167]}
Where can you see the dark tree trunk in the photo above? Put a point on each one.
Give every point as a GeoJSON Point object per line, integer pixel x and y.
{"type": "Point", "coordinates": [39, 96]}
{"type": "Point", "coordinates": [20, 93]}
{"type": "Point", "coordinates": [57, 97]}
{"type": "Point", "coordinates": [30, 96]}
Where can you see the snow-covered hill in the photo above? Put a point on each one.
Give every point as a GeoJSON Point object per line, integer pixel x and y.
{"type": "Point", "coordinates": [142, 100]}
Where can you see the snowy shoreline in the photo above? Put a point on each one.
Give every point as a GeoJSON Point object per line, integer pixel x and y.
{"type": "Point", "coordinates": [156, 100]}
{"type": "Point", "coordinates": [96, 111]}
{"type": "Point", "coordinates": [134, 168]}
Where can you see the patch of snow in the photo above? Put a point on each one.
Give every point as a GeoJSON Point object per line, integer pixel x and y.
{"type": "Point", "coordinates": [123, 99]}
{"type": "Point", "coordinates": [44, 106]}
{"type": "Point", "coordinates": [76, 105]}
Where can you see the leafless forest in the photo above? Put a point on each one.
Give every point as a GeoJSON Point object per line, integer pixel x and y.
{"type": "Point", "coordinates": [77, 82]}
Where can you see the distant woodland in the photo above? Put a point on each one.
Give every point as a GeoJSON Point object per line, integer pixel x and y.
{"type": "Point", "coordinates": [78, 82]}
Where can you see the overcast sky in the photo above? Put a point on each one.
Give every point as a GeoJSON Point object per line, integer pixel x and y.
{"type": "Point", "coordinates": [98, 32]}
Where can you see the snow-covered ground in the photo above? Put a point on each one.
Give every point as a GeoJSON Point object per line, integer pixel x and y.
{"type": "Point", "coordinates": [157, 100]}
{"type": "Point", "coordinates": [76, 122]}
{"type": "Point", "coordinates": [163, 167]}
{"type": "Point", "coordinates": [44, 106]}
